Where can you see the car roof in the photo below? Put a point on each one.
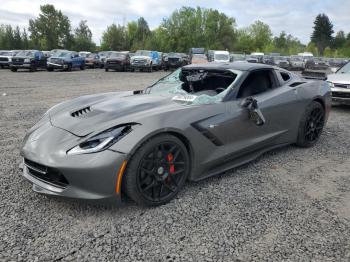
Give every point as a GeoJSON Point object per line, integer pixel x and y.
{"type": "Point", "coordinates": [242, 66]}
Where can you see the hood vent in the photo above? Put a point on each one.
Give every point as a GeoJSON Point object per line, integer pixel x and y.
{"type": "Point", "coordinates": [81, 112]}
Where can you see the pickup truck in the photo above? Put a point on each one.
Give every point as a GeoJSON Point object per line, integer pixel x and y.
{"type": "Point", "coordinates": [145, 60]}
{"type": "Point", "coordinates": [6, 57]}
{"type": "Point", "coordinates": [28, 59]}
{"type": "Point", "coordinates": [65, 60]}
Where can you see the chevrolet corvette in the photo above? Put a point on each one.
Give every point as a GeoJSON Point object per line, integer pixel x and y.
{"type": "Point", "coordinates": [199, 121]}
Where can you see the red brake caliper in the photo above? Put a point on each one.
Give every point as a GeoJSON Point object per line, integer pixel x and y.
{"type": "Point", "coordinates": [170, 158]}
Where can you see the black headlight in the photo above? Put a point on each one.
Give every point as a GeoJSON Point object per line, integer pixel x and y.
{"type": "Point", "coordinates": [102, 140]}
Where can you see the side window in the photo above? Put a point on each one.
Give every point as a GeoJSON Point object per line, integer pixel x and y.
{"type": "Point", "coordinates": [285, 76]}
{"type": "Point", "coordinates": [256, 83]}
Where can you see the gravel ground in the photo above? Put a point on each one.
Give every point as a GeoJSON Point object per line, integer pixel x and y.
{"type": "Point", "coordinates": [291, 204]}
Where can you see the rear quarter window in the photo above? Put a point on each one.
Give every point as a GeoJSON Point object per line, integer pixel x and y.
{"type": "Point", "coordinates": [283, 76]}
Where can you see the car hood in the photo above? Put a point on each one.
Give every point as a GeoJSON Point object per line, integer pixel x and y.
{"type": "Point", "coordinates": [140, 57]}
{"type": "Point", "coordinates": [22, 57]}
{"type": "Point", "coordinates": [95, 113]}
{"type": "Point", "coordinates": [116, 59]}
{"type": "Point", "coordinates": [339, 78]}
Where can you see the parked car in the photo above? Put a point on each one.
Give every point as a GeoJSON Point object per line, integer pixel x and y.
{"type": "Point", "coordinates": [296, 63]}
{"type": "Point", "coordinates": [118, 61]}
{"type": "Point", "coordinates": [145, 60]}
{"type": "Point", "coordinates": [268, 60]}
{"type": "Point", "coordinates": [199, 59]}
{"type": "Point", "coordinates": [84, 53]}
{"type": "Point", "coordinates": [93, 61]}
{"type": "Point", "coordinates": [175, 60]}
{"type": "Point", "coordinates": [66, 60]}
{"type": "Point", "coordinates": [28, 59]}
{"type": "Point", "coordinates": [56, 51]}
{"type": "Point", "coordinates": [340, 84]}
{"type": "Point", "coordinates": [252, 59]}
{"type": "Point", "coordinates": [6, 57]}
{"type": "Point", "coordinates": [198, 122]}
{"type": "Point", "coordinates": [316, 63]}
{"type": "Point", "coordinates": [218, 56]}
{"type": "Point", "coordinates": [281, 61]}
{"type": "Point", "coordinates": [237, 57]}
{"type": "Point", "coordinates": [258, 56]}
{"type": "Point", "coordinates": [103, 56]}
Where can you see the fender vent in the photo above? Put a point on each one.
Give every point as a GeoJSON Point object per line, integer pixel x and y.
{"type": "Point", "coordinates": [81, 112]}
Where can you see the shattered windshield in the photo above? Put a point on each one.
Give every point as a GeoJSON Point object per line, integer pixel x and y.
{"type": "Point", "coordinates": [196, 86]}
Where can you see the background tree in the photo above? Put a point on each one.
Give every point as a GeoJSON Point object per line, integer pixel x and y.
{"type": "Point", "coordinates": [142, 33]}
{"type": "Point", "coordinates": [83, 38]}
{"type": "Point", "coordinates": [261, 35]}
{"type": "Point", "coordinates": [115, 38]}
{"type": "Point", "coordinates": [322, 34]}
{"type": "Point", "coordinates": [339, 40]}
{"type": "Point", "coordinates": [51, 29]}
{"type": "Point", "coordinates": [196, 27]}
{"type": "Point", "coordinates": [17, 39]}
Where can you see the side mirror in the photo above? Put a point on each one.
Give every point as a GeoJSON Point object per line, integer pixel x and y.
{"type": "Point", "coordinates": [255, 113]}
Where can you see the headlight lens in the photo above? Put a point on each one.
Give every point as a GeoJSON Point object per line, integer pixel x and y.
{"type": "Point", "coordinates": [26, 60]}
{"type": "Point", "coordinates": [330, 84]}
{"type": "Point", "coordinates": [101, 141]}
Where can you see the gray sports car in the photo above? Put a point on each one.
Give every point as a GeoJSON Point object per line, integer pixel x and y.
{"type": "Point", "coordinates": [192, 124]}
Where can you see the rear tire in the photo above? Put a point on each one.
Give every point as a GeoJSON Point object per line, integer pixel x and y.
{"type": "Point", "coordinates": [311, 125]}
{"type": "Point", "coordinates": [157, 171]}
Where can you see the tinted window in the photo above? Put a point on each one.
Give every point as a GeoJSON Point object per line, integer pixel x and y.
{"type": "Point", "coordinates": [256, 83]}
{"type": "Point", "coordinates": [285, 76]}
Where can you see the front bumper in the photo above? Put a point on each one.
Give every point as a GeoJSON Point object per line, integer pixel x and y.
{"type": "Point", "coordinates": [116, 66]}
{"type": "Point", "coordinates": [4, 63]}
{"type": "Point", "coordinates": [56, 66]}
{"type": "Point", "coordinates": [140, 66]}
{"type": "Point", "coordinates": [24, 65]}
{"type": "Point", "coordinates": [87, 176]}
{"type": "Point", "coordinates": [341, 95]}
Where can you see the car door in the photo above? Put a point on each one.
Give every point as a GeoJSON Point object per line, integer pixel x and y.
{"type": "Point", "coordinates": [75, 59]}
{"type": "Point", "coordinates": [240, 135]}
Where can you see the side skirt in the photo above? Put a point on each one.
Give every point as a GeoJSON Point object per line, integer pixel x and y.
{"type": "Point", "coordinates": [232, 162]}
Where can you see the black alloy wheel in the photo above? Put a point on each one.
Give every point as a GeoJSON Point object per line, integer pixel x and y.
{"type": "Point", "coordinates": [157, 171]}
{"type": "Point", "coordinates": [314, 124]}
{"type": "Point", "coordinates": [311, 125]}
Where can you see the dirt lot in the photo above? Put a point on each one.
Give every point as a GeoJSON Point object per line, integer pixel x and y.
{"type": "Point", "coordinates": [291, 204]}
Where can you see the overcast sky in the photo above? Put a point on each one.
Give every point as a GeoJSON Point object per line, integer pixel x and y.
{"type": "Point", "coordinates": [294, 16]}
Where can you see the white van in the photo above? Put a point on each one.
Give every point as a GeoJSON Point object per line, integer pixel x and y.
{"type": "Point", "coordinates": [220, 56]}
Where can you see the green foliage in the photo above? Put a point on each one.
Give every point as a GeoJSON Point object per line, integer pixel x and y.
{"type": "Point", "coordinates": [185, 28]}
{"type": "Point", "coordinates": [115, 38]}
{"type": "Point", "coordinates": [196, 27]}
{"type": "Point", "coordinates": [83, 38]}
{"type": "Point", "coordinates": [51, 29]}
{"type": "Point", "coordinates": [322, 34]}
{"type": "Point", "coordinates": [13, 38]}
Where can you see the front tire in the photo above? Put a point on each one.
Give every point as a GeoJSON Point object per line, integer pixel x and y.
{"type": "Point", "coordinates": [311, 125]}
{"type": "Point", "coordinates": [157, 171]}
{"type": "Point", "coordinates": [13, 69]}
